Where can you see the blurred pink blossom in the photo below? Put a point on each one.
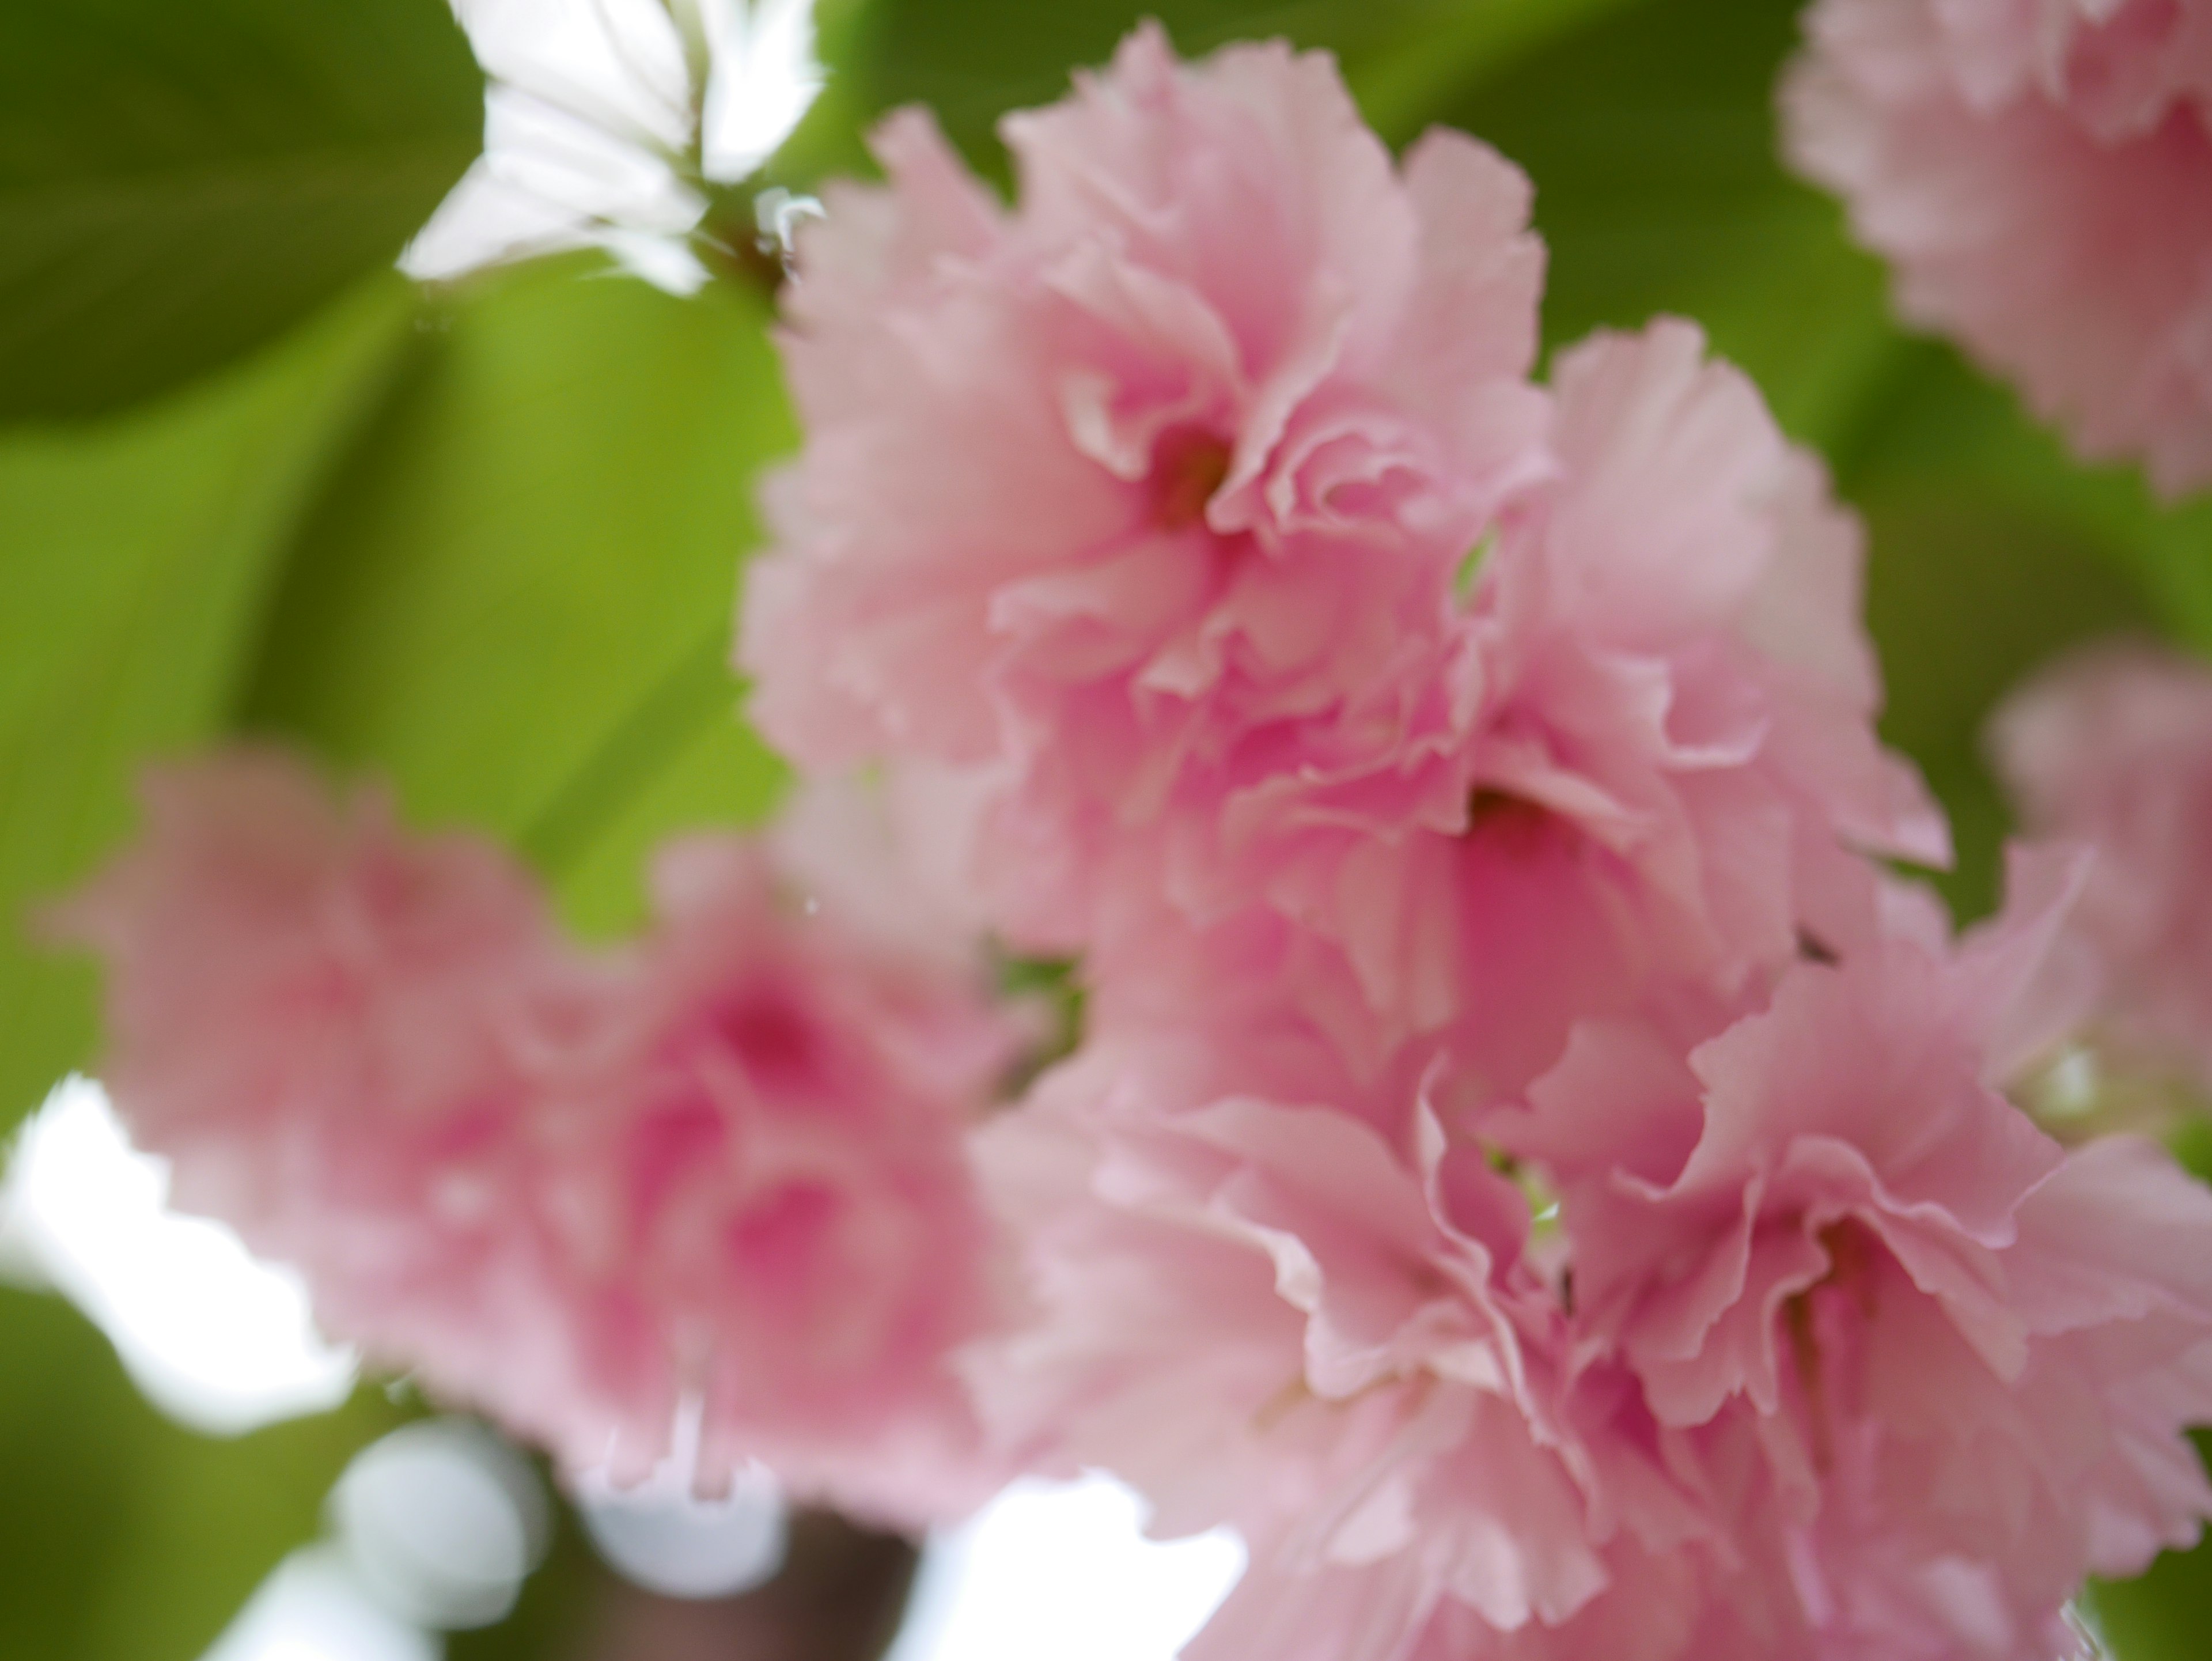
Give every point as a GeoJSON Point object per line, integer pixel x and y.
{"type": "Point", "coordinates": [334, 1033]}
{"type": "Point", "coordinates": [2039, 174]}
{"type": "Point", "coordinates": [719, 1172]}
{"type": "Point", "coordinates": [2111, 748]}
{"type": "Point", "coordinates": [765, 1196]}
{"type": "Point", "coordinates": [1156, 486]}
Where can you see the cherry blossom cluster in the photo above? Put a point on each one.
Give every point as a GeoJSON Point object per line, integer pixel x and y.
{"type": "Point", "coordinates": [1528, 1165]}
{"type": "Point", "coordinates": [1529, 1168]}
{"type": "Point", "coordinates": [589, 1194]}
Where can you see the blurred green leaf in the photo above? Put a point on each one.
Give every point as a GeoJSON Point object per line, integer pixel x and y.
{"type": "Point", "coordinates": [137, 555]}
{"type": "Point", "coordinates": [1968, 594]}
{"type": "Point", "coordinates": [1945, 426]}
{"type": "Point", "coordinates": [2165, 1614]}
{"type": "Point", "coordinates": [181, 183]}
{"type": "Point", "coordinates": [126, 1537]}
{"type": "Point", "coordinates": [1991, 551]}
{"type": "Point", "coordinates": [972, 60]}
{"type": "Point", "coordinates": [1658, 189]}
{"type": "Point", "coordinates": [1405, 79]}
{"type": "Point", "coordinates": [831, 137]}
{"type": "Point", "coordinates": [704, 771]}
{"type": "Point", "coordinates": [516, 597]}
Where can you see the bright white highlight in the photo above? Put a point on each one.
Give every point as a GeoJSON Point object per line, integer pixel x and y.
{"type": "Point", "coordinates": [442, 1522]}
{"type": "Point", "coordinates": [215, 1337]}
{"type": "Point", "coordinates": [435, 1527]}
{"type": "Point", "coordinates": [1065, 1570]}
{"type": "Point", "coordinates": [315, 1608]}
{"type": "Point", "coordinates": [680, 1546]}
{"type": "Point", "coordinates": [605, 117]}
{"type": "Point", "coordinates": [658, 1534]}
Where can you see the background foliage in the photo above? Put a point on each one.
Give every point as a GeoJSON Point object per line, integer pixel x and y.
{"type": "Point", "coordinates": [485, 541]}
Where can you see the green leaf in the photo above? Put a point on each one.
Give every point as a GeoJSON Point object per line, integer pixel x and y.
{"type": "Point", "coordinates": [1408, 78]}
{"type": "Point", "coordinates": [1992, 552]}
{"type": "Point", "coordinates": [1967, 595]}
{"type": "Point", "coordinates": [181, 183]}
{"type": "Point", "coordinates": [1940, 421]}
{"type": "Point", "coordinates": [2163, 1615]}
{"type": "Point", "coordinates": [972, 60]}
{"type": "Point", "coordinates": [125, 1536]}
{"type": "Point", "coordinates": [1652, 146]}
{"type": "Point", "coordinates": [829, 138]}
{"type": "Point", "coordinates": [516, 599]}
{"type": "Point", "coordinates": [700, 769]}
{"type": "Point", "coordinates": [137, 556]}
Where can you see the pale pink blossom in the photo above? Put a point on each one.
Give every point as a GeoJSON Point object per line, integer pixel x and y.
{"type": "Point", "coordinates": [1262, 1315]}
{"type": "Point", "coordinates": [1969, 1356]}
{"type": "Point", "coordinates": [319, 941]}
{"type": "Point", "coordinates": [2113, 748]}
{"type": "Point", "coordinates": [1512, 717]}
{"type": "Point", "coordinates": [1661, 774]}
{"type": "Point", "coordinates": [1154, 485]}
{"type": "Point", "coordinates": [718, 1175]}
{"type": "Point", "coordinates": [886, 856]}
{"type": "Point", "coordinates": [331, 1029]}
{"type": "Point", "coordinates": [765, 1192]}
{"type": "Point", "coordinates": [2039, 174]}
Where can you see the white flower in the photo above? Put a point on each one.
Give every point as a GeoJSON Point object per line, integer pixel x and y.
{"type": "Point", "coordinates": [606, 120]}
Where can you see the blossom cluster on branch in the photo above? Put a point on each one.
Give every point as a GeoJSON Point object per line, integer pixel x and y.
{"type": "Point", "coordinates": [582, 1192]}
{"type": "Point", "coordinates": [1528, 1165]}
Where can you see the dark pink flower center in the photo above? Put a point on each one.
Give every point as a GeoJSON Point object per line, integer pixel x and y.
{"type": "Point", "coordinates": [782, 1242]}
{"type": "Point", "coordinates": [1850, 1270]}
{"type": "Point", "coordinates": [1188, 464]}
{"type": "Point", "coordinates": [775, 1043]}
{"type": "Point", "coordinates": [1504, 818]}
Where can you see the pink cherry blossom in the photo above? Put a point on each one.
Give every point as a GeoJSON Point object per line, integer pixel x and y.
{"type": "Point", "coordinates": [764, 1191]}
{"type": "Point", "coordinates": [332, 1031]}
{"type": "Point", "coordinates": [1538, 721]}
{"type": "Point", "coordinates": [331, 932]}
{"type": "Point", "coordinates": [718, 1175]}
{"type": "Point", "coordinates": [1969, 1356]}
{"type": "Point", "coordinates": [886, 856]}
{"type": "Point", "coordinates": [2113, 748]}
{"type": "Point", "coordinates": [2039, 174]}
{"type": "Point", "coordinates": [1660, 773]}
{"type": "Point", "coordinates": [1155, 485]}
{"type": "Point", "coordinates": [1261, 1315]}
